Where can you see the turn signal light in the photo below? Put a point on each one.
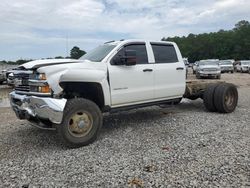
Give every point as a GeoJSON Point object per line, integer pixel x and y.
{"type": "Point", "coordinates": [44, 89]}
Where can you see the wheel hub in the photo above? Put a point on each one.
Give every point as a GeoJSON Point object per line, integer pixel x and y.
{"type": "Point", "coordinates": [80, 124]}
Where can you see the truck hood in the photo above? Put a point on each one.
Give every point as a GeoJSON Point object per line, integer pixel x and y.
{"type": "Point", "coordinates": [46, 62]}
{"type": "Point", "coordinates": [75, 71]}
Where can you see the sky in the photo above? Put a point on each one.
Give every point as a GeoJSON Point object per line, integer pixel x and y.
{"type": "Point", "coordinates": [33, 29]}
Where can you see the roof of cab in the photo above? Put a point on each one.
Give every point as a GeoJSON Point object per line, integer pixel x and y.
{"type": "Point", "coordinates": [136, 40]}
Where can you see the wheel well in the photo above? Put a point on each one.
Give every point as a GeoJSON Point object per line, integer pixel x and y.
{"type": "Point", "coordinates": [87, 90]}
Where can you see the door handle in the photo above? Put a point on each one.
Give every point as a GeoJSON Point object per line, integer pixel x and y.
{"type": "Point", "coordinates": [179, 68]}
{"type": "Point", "coordinates": [147, 70]}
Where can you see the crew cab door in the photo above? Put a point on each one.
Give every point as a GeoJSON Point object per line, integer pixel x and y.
{"type": "Point", "coordinates": [131, 84]}
{"type": "Point", "coordinates": [170, 71]}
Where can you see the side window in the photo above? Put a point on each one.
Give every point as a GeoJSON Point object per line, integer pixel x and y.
{"type": "Point", "coordinates": [141, 52]}
{"type": "Point", "coordinates": [164, 53]}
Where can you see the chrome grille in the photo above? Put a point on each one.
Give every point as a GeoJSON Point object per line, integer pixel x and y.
{"type": "Point", "coordinates": [22, 82]}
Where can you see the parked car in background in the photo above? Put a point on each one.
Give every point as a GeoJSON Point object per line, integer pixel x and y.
{"type": "Point", "coordinates": [195, 66]}
{"type": "Point", "coordinates": [208, 69]}
{"type": "Point", "coordinates": [10, 75]}
{"type": "Point", "coordinates": [226, 66]}
{"type": "Point", "coordinates": [10, 79]}
{"type": "Point", "coordinates": [2, 76]}
{"type": "Point", "coordinates": [242, 66]}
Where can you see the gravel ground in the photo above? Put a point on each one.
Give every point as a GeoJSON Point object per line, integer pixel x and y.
{"type": "Point", "coordinates": [176, 146]}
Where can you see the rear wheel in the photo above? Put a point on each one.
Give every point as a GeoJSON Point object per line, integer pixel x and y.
{"type": "Point", "coordinates": [208, 98]}
{"type": "Point", "coordinates": [81, 123]}
{"type": "Point", "coordinates": [226, 98]}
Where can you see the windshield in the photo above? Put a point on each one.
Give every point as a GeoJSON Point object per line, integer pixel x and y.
{"type": "Point", "coordinates": [245, 62]}
{"type": "Point", "coordinates": [226, 63]}
{"type": "Point", "coordinates": [99, 53]}
{"type": "Point", "coordinates": [208, 63]}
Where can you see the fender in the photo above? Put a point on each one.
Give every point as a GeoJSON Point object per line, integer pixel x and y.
{"type": "Point", "coordinates": [89, 76]}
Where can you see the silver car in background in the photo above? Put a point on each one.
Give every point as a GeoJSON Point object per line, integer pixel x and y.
{"type": "Point", "coordinates": [208, 69]}
{"type": "Point", "coordinates": [227, 66]}
{"type": "Point", "coordinates": [243, 66]}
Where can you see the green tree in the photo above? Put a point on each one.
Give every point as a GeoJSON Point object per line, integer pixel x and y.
{"type": "Point", "coordinates": [76, 52]}
{"type": "Point", "coordinates": [232, 44]}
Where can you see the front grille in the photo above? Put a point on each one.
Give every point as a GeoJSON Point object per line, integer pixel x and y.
{"type": "Point", "coordinates": [210, 69]}
{"type": "Point", "coordinates": [22, 80]}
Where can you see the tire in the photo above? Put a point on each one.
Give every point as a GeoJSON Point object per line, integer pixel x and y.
{"type": "Point", "coordinates": [226, 98]}
{"type": "Point", "coordinates": [232, 72]}
{"type": "Point", "coordinates": [208, 97]}
{"type": "Point", "coordinates": [1, 82]}
{"type": "Point", "coordinates": [81, 124]}
{"type": "Point", "coordinates": [218, 77]}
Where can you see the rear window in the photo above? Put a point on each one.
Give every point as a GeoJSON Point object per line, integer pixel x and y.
{"type": "Point", "coordinates": [164, 53]}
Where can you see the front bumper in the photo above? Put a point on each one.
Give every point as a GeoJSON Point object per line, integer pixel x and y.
{"type": "Point", "coordinates": [227, 69]}
{"type": "Point", "coordinates": [208, 73]}
{"type": "Point", "coordinates": [39, 107]}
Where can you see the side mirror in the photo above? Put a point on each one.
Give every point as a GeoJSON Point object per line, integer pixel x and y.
{"type": "Point", "coordinates": [130, 57]}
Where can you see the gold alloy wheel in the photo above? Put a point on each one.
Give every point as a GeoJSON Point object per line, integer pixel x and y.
{"type": "Point", "coordinates": [80, 124]}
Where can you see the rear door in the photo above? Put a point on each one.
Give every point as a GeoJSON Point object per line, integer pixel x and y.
{"type": "Point", "coordinates": [132, 84]}
{"type": "Point", "coordinates": [170, 71]}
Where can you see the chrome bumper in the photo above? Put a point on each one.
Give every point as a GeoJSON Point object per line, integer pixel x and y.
{"type": "Point", "coordinates": [41, 107]}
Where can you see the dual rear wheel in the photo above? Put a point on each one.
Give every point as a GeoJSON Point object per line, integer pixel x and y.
{"type": "Point", "coordinates": [221, 98]}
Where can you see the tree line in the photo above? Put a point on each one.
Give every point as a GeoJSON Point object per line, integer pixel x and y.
{"type": "Point", "coordinates": [231, 44]}
{"type": "Point", "coordinates": [75, 53]}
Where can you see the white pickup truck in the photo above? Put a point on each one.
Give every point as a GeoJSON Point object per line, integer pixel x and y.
{"type": "Point", "coordinates": [71, 95]}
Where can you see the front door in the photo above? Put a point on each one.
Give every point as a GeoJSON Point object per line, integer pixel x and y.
{"type": "Point", "coordinates": [132, 84]}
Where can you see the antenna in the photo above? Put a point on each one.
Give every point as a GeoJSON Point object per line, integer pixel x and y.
{"type": "Point", "coordinates": [67, 44]}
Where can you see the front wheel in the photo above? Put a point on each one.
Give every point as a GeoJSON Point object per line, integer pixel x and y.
{"type": "Point", "coordinates": [81, 123]}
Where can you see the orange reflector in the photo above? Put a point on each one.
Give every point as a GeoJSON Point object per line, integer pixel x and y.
{"type": "Point", "coordinates": [44, 89]}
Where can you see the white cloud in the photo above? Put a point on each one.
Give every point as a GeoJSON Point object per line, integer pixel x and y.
{"type": "Point", "coordinates": [90, 22]}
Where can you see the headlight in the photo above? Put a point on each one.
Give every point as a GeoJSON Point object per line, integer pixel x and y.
{"type": "Point", "coordinates": [41, 76]}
